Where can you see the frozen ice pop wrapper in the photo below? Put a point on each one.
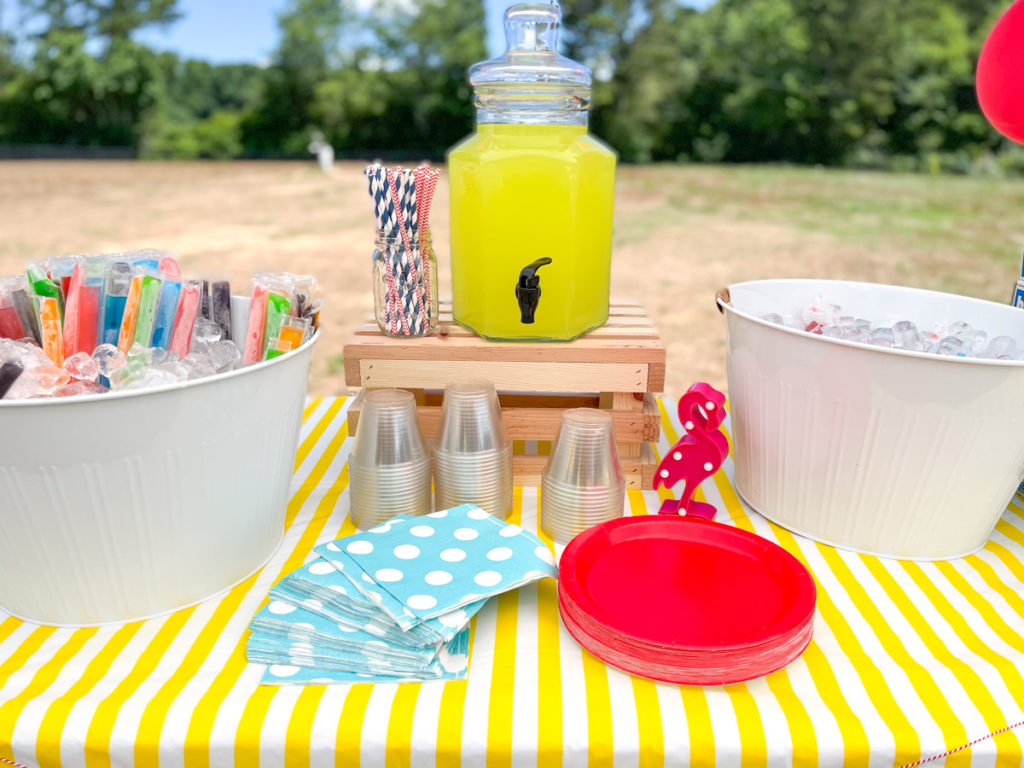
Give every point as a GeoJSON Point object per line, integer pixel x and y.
{"type": "Point", "coordinates": [72, 304]}
{"type": "Point", "coordinates": [170, 267]}
{"type": "Point", "coordinates": [257, 325]}
{"type": "Point", "coordinates": [220, 306]}
{"type": "Point", "coordinates": [42, 285]}
{"type": "Point", "coordinates": [49, 328]}
{"type": "Point", "coordinates": [126, 337]}
{"type": "Point", "coordinates": [149, 298]}
{"type": "Point", "coordinates": [81, 312]}
{"type": "Point", "coordinates": [119, 280]}
{"type": "Point", "coordinates": [293, 332]}
{"type": "Point", "coordinates": [9, 373]}
{"type": "Point", "coordinates": [185, 318]}
{"type": "Point", "coordinates": [278, 308]}
{"type": "Point", "coordinates": [27, 314]}
{"type": "Point", "coordinates": [165, 312]}
{"type": "Point", "coordinates": [10, 322]}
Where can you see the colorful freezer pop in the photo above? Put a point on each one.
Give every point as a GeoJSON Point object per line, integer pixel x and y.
{"type": "Point", "coordinates": [42, 285]}
{"type": "Point", "coordinates": [119, 280]}
{"type": "Point", "coordinates": [293, 332]}
{"type": "Point", "coordinates": [126, 337]}
{"type": "Point", "coordinates": [170, 267]}
{"type": "Point", "coordinates": [27, 313]}
{"type": "Point", "coordinates": [220, 306]}
{"type": "Point", "coordinates": [149, 299]}
{"type": "Point", "coordinates": [10, 322]}
{"type": "Point", "coordinates": [278, 308]}
{"type": "Point", "coordinates": [50, 329]}
{"type": "Point", "coordinates": [72, 304]}
{"type": "Point", "coordinates": [165, 311]}
{"type": "Point", "coordinates": [257, 325]}
{"type": "Point", "coordinates": [185, 318]}
{"type": "Point", "coordinates": [9, 373]}
{"type": "Point", "coordinates": [61, 269]}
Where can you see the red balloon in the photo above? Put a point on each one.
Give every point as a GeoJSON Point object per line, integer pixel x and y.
{"type": "Point", "coordinates": [1000, 76]}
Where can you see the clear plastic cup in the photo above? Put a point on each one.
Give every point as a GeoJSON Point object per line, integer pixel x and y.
{"type": "Point", "coordinates": [582, 484]}
{"type": "Point", "coordinates": [389, 467]}
{"type": "Point", "coordinates": [472, 453]}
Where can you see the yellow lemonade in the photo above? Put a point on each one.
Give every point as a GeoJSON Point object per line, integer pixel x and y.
{"type": "Point", "coordinates": [521, 193]}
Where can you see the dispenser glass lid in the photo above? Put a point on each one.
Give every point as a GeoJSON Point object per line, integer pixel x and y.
{"type": "Point", "coordinates": [531, 31]}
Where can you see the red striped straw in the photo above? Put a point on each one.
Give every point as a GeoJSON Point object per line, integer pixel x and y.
{"type": "Point", "coordinates": [426, 183]}
{"type": "Point", "coordinates": [400, 217]}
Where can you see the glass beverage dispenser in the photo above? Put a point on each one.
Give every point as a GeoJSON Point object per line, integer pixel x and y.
{"type": "Point", "coordinates": [531, 194]}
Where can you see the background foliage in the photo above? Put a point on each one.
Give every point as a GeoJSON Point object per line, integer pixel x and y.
{"type": "Point", "coordinates": [864, 83]}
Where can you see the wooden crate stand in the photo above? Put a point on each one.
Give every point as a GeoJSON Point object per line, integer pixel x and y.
{"type": "Point", "coordinates": [617, 367]}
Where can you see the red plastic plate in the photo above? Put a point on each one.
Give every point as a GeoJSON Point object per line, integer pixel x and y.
{"type": "Point", "coordinates": [671, 587]}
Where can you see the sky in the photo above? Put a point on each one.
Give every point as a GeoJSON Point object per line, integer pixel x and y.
{"type": "Point", "coordinates": [223, 31]}
{"type": "Point", "coordinates": [246, 30]}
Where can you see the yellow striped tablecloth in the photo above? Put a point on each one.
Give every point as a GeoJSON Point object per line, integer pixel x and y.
{"type": "Point", "coordinates": [909, 661]}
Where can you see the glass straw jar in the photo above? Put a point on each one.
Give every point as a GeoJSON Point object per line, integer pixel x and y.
{"type": "Point", "coordinates": [405, 284]}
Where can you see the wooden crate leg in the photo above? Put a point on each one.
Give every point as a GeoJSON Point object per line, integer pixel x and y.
{"type": "Point", "coordinates": [624, 401]}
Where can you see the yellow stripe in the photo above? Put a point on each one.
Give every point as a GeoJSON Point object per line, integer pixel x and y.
{"type": "Point", "coordinates": [147, 739]}
{"type": "Point", "coordinates": [992, 580]}
{"type": "Point", "coordinates": [701, 735]}
{"type": "Point", "coordinates": [97, 738]}
{"type": "Point", "coordinates": [300, 727]}
{"type": "Point", "coordinates": [448, 753]}
{"type": "Point", "coordinates": [801, 727]}
{"type": "Point", "coordinates": [1010, 530]}
{"type": "Point", "coordinates": [51, 728]}
{"type": "Point", "coordinates": [1010, 559]}
{"type": "Point", "coordinates": [398, 748]}
{"type": "Point", "coordinates": [317, 432]}
{"type": "Point", "coordinates": [11, 709]}
{"type": "Point", "coordinates": [24, 652]}
{"type": "Point", "coordinates": [312, 403]}
{"type": "Point", "coordinates": [1007, 742]}
{"type": "Point", "coordinates": [600, 743]}
{"type": "Point", "coordinates": [8, 626]}
{"type": "Point", "coordinates": [648, 722]}
{"type": "Point", "coordinates": [753, 747]}
{"type": "Point", "coordinates": [543, 447]}
{"type": "Point", "coordinates": [954, 733]}
{"type": "Point", "coordinates": [856, 748]}
{"type": "Point", "coordinates": [549, 665]}
{"type": "Point", "coordinates": [518, 447]}
{"type": "Point", "coordinates": [449, 724]}
{"type": "Point", "coordinates": [350, 727]}
{"type": "Point", "coordinates": [197, 737]}
{"type": "Point", "coordinates": [503, 674]}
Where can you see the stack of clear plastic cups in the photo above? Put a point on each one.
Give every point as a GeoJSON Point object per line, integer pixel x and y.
{"type": "Point", "coordinates": [472, 452]}
{"type": "Point", "coordinates": [582, 484]}
{"type": "Point", "coordinates": [389, 467]}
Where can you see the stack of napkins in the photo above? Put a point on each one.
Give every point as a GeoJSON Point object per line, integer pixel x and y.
{"type": "Point", "coordinates": [393, 603]}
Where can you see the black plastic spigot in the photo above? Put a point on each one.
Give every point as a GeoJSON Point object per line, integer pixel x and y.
{"type": "Point", "coordinates": [528, 290]}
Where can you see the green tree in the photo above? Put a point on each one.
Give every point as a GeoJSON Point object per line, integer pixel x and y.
{"type": "Point", "coordinates": [311, 32]}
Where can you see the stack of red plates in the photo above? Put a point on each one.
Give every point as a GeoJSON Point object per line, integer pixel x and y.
{"type": "Point", "coordinates": [685, 601]}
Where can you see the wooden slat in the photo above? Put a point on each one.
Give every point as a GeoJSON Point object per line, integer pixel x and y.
{"type": "Point", "coordinates": [518, 376]}
{"type": "Point", "coordinates": [537, 417]}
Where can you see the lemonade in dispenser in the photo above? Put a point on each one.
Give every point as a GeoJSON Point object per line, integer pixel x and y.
{"type": "Point", "coordinates": [531, 194]}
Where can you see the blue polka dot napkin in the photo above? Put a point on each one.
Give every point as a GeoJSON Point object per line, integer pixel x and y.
{"type": "Point", "coordinates": [418, 568]}
{"type": "Point", "coordinates": [391, 604]}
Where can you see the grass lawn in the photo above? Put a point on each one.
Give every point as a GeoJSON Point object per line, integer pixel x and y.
{"type": "Point", "coordinates": [681, 232]}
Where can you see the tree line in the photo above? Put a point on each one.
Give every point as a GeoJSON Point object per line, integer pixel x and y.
{"type": "Point", "coordinates": [860, 83]}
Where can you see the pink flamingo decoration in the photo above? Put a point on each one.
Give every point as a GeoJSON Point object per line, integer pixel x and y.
{"type": "Point", "coordinates": [698, 454]}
